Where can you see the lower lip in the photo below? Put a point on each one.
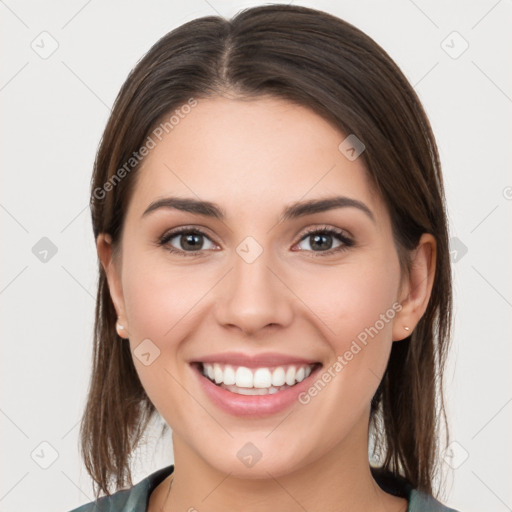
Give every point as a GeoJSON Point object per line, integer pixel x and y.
{"type": "Point", "coordinates": [253, 405]}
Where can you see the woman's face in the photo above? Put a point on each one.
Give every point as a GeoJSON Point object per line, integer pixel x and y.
{"type": "Point", "coordinates": [256, 283]}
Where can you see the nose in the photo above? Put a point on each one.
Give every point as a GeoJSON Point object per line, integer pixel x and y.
{"type": "Point", "coordinates": [253, 296]}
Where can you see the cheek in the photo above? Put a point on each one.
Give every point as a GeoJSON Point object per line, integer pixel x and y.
{"type": "Point", "coordinates": [163, 305]}
{"type": "Point", "coordinates": [158, 297]}
{"type": "Point", "coordinates": [159, 302]}
{"type": "Point", "coordinates": [355, 312]}
{"type": "Point", "coordinates": [351, 299]}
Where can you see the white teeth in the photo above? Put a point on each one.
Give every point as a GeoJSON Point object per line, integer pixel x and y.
{"type": "Point", "coordinates": [262, 378]}
{"type": "Point", "coordinates": [258, 378]}
{"type": "Point", "coordinates": [290, 376]}
{"type": "Point", "coordinates": [250, 391]}
{"type": "Point", "coordinates": [243, 377]}
{"type": "Point", "coordinates": [254, 391]}
{"type": "Point", "coordinates": [278, 377]}
{"type": "Point", "coordinates": [229, 375]}
{"type": "Point", "coordinates": [217, 373]}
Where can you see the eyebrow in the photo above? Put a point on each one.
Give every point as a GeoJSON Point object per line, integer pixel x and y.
{"type": "Point", "coordinates": [293, 211]}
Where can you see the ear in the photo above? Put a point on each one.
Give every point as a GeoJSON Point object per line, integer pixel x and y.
{"type": "Point", "coordinates": [416, 288]}
{"type": "Point", "coordinates": [113, 274]}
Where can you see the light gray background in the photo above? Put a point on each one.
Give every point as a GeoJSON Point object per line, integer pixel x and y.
{"type": "Point", "coordinates": [54, 110]}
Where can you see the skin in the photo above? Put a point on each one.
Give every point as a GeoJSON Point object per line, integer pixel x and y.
{"type": "Point", "coordinates": [242, 155]}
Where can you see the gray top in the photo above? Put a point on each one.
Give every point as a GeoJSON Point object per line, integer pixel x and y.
{"type": "Point", "coordinates": [136, 498]}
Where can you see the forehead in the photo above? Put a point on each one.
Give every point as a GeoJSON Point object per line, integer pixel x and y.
{"type": "Point", "coordinates": [246, 154]}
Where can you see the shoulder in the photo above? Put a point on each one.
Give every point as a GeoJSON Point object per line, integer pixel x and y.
{"type": "Point", "coordinates": [418, 501]}
{"type": "Point", "coordinates": [134, 499]}
{"type": "Point", "coordinates": [422, 502]}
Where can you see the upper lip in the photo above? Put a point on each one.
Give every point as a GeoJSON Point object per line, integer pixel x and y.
{"type": "Point", "coordinates": [253, 360]}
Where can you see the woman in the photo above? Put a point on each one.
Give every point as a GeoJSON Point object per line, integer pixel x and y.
{"type": "Point", "coordinates": [268, 209]}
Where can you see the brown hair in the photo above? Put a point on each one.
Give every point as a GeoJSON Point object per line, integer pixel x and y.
{"type": "Point", "coordinates": [319, 61]}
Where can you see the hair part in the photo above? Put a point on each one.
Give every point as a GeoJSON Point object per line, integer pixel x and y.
{"type": "Point", "coordinates": [321, 62]}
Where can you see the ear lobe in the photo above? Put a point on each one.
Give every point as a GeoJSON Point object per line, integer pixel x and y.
{"type": "Point", "coordinates": [105, 254]}
{"type": "Point", "coordinates": [418, 287]}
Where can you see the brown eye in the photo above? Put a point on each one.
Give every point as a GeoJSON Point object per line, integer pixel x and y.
{"type": "Point", "coordinates": [325, 240]}
{"type": "Point", "coordinates": [186, 240]}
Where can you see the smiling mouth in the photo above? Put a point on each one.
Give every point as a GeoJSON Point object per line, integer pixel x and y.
{"type": "Point", "coordinates": [256, 381]}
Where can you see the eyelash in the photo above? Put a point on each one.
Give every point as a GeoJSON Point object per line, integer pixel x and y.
{"type": "Point", "coordinates": [338, 233]}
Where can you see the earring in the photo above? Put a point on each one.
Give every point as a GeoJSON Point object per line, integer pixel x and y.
{"type": "Point", "coordinates": [119, 328]}
{"type": "Point", "coordinates": [407, 328]}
